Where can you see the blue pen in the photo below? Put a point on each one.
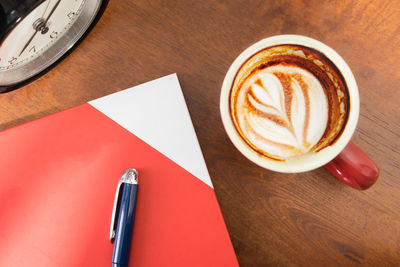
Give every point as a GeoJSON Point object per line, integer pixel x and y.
{"type": "Point", "coordinates": [123, 217]}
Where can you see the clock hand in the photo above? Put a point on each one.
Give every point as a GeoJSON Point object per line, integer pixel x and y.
{"type": "Point", "coordinates": [48, 3]}
{"type": "Point", "coordinates": [52, 11]}
{"type": "Point", "coordinates": [43, 28]}
{"type": "Point", "coordinates": [29, 41]}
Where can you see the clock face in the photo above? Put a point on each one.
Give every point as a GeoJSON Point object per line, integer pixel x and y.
{"type": "Point", "coordinates": [43, 36]}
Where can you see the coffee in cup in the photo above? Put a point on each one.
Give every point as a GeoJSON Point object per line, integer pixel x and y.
{"type": "Point", "coordinates": [288, 100]}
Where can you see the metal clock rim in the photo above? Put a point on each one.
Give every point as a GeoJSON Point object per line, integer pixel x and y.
{"type": "Point", "coordinates": [91, 13]}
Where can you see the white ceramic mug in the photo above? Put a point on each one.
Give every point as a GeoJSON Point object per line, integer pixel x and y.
{"type": "Point", "coordinates": [342, 158]}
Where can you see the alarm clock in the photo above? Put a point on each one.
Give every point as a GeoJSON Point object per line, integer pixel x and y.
{"type": "Point", "coordinates": [37, 34]}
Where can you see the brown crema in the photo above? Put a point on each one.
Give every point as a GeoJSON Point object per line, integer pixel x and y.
{"type": "Point", "coordinates": [305, 58]}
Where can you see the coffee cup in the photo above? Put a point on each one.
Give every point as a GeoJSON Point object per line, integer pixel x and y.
{"type": "Point", "coordinates": [290, 104]}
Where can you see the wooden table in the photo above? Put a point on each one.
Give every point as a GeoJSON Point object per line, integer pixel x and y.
{"type": "Point", "coordinates": [306, 219]}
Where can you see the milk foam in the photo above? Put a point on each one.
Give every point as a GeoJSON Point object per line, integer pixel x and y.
{"type": "Point", "coordinates": [282, 111]}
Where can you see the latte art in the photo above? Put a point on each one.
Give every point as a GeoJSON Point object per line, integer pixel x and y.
{"type": "Point", "coordinates": [282, 110]}
{"type": "Point", "coordinates": [288, 100]}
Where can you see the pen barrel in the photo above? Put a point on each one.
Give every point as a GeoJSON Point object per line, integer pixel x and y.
{"type": "Point", "coordinates": [124, 229]}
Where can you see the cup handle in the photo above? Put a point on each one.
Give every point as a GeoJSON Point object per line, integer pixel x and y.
{"type": "Point", "coordinates": [354, 168]}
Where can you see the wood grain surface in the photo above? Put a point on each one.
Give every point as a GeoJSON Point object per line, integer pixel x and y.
{"type": "Point", "coordinates": [305, 219]}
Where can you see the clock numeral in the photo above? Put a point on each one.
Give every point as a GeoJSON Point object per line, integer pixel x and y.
{"type": "Point", "coordinates": [71, 15]}
{"type": "Point", "coordinates": [32, 48]}
{"type": "Point", "coordinates": [53, 34]}
{"type": "Point", "coordinates": [12, 60]}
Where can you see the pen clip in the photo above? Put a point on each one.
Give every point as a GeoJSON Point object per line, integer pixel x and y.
{"type": "Point", "coordinates": [130, 176]}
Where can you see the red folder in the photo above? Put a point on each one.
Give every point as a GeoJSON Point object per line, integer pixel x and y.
{"type": "Point", "coordinates": [58, 177]}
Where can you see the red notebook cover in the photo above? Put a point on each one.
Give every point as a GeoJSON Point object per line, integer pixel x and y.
{"type": "Point", "coordinates": [58, 177]}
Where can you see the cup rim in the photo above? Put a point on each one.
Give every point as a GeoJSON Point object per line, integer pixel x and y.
{"type": "Point", "coordinates": [308, 161]}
